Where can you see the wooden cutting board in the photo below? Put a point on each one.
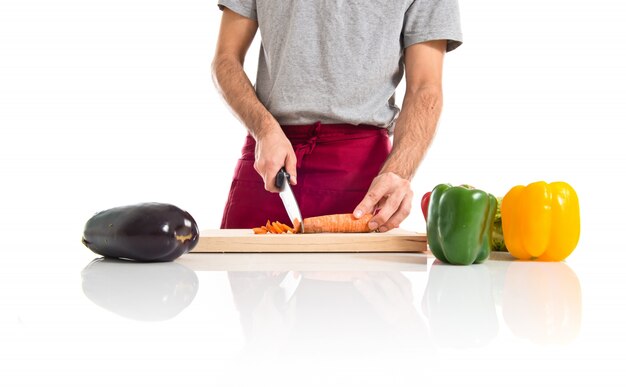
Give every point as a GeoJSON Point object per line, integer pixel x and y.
{"type": "Point", "coordinates": [245, 241]}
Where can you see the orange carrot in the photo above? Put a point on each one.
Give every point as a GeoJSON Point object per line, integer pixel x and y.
{"type": "Point", "coordinates": [274, 228]}
{"type": "Point", "coordinates": [268, 226]}
{"type": "Point", "coordinates": [278, 227]}
{"type": "Point", "coordinates": [259, 230]}
{"type": "Point", "coordinates": [337, 223]}
{"type": "Point", "coordinates": [296, 226]}
{"type": "Point", "coordinates": [283, 227]}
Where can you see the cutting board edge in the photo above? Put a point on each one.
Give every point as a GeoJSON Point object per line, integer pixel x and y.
{"type": "Point", "coordinates": [244, 241]}
{"type": "Point", "coordinates": [416, 247]}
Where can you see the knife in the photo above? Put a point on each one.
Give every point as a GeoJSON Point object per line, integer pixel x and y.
{"type": "Point", "coordinates": [289, 201]}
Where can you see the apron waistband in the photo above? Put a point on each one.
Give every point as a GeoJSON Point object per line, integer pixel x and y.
{"type": "Point", "coordinates": [318, 132]}
{"type": "Point", "coordinates": [305, 137]}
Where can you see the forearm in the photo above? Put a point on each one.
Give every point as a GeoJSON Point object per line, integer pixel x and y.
{"type": "Point", "coordinates": [414, 130]}
{"type": "Point", "coordinates": [234, 86]}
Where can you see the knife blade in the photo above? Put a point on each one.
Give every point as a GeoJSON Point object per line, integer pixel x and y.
{"type": "Point", "coordinates": [289, 200]}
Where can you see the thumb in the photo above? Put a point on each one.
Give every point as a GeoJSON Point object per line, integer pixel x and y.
{"type": "Point", "coordinates": [364, 207]}
{"type": "Point", "coordinates": [290, 167]}
{"type": "Point", "coordinates": [367, 205]}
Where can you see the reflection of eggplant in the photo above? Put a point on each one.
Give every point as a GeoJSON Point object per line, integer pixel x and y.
{"type": "Point", "coordinates": [542, 301]}
{"type": "Point", "coordinates": [153, 292]}
{"type": "Point", "coordinates": [148, 232]}
{"type": "Point", "coordinates": [459, 304]}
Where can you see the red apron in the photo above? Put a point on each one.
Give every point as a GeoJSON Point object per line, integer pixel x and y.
{"type": "Point", "coordinates": [336, 165]}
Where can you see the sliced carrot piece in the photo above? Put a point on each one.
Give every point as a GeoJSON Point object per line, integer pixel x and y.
{"type": "Point", "coordinates": [296, 226]}
{"type": "Point", "coordinates": [283, 227]}
{"type": "Point", "coordinates": [337, 223]}
{"type": "Point", "coordinates": [277, 228]}
{"type": "Point", "coordinates": [271, 228]}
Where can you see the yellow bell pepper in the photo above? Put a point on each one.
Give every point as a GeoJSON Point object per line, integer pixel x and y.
{"type": "Point", "coordinates": [541, 221]}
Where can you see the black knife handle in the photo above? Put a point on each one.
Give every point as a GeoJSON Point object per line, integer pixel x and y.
{"type": "Point", "coordinates": [282, 177]}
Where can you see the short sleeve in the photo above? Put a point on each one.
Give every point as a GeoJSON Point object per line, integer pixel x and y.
{"type": "Point", "coordinates": [427, 20]}
{"type": "Point", "coordinates": [246, 8]}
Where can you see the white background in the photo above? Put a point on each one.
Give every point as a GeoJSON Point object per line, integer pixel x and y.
{"type": "Point", "coordinates": [110, 102]}
{"type": "Point", "coordinates": [105, 103]}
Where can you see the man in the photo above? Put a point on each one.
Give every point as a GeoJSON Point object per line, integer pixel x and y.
{"type": "Point", "coordinates": [324, 103]}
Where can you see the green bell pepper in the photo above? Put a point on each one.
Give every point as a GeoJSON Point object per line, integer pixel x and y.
{"type": "Point", "coordinates": [459, 225]}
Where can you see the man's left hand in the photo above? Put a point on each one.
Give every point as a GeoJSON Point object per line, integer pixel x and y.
{"type": "Point", "coordinates": [389, 198]}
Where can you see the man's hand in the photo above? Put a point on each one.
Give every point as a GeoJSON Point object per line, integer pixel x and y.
{"type": "Point", "coordinates": [390, 199]}
{"type": "Point", "coordinates": [273, 151]}
{"type": "Point", "coordinates": [390, 192]}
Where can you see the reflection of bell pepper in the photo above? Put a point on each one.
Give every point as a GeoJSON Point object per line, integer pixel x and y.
{"type": "Point", "coordinates": [460, 220]}
{"type": "Point", "coordinates": [542, 302]}
{"type": "Point", "coordinates": [459, 304]}
{"type": "Point", "coordinates": [541, 221]}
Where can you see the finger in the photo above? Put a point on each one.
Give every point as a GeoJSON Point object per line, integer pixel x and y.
{"type": "Point", "coordinates": [261, 171]}
{"type": "Point", "coordinates": [260, 166]}
{"type": "Point", "coordinates": [372, 197]}
{"type": "Point", "coordinates": [401, 213]}
{"type": "Point", "coordinates": [380, 204]}
{"type": "Point", "coordinates": [270, 178]}
{"type": "Point", "coordinates": [290, 167]}
{"type": "Point", "coordinates": [390, 207]}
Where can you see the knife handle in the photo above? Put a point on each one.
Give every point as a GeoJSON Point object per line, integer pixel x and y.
{"type": "Point", "coordinates": [282, 177]}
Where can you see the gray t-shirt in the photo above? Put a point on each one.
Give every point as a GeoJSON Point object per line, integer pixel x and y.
{"type": "Point", "coordinates": [340, 61]}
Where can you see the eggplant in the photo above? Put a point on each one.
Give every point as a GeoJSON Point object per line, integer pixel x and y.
{"type": "Point", "coordinates": [145, 232]}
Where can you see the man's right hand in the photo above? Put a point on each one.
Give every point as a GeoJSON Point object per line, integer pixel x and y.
{"type": "Point", "coordinates": [274, 151]}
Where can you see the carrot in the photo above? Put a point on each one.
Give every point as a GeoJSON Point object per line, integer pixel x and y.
{"type": "Point", "coordinates": [283, 227]}
{"type": "Point", "coordinates": [271, 228]}
{"type": "Point", "coordinates": [337, 223]}
{"type": "Point", "coordinates": [260, 230]}
{"type": "Point", "coordinates": [278, 227]}
{"type": "Point", "coordinates": [275, 228]}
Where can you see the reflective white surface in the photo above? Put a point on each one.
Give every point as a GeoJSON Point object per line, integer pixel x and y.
{"type": "Point", "coordinates": [69, 317]}
{"type": "Point", "coordinates": [109, 103]}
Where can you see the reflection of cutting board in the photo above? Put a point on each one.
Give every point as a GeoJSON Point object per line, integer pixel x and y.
{"type": "Point", "coordinates": [245, 241]}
